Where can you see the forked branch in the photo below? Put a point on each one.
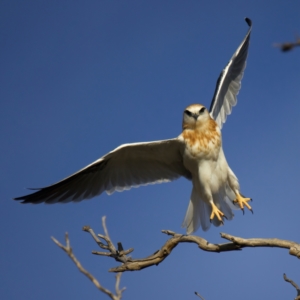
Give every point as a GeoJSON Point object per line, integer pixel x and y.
{"type": "Point", "coordinates": [130, 264]}
{"type": "Point", "coordinates": [67, 248]}
{"type": "Point", "coordinates": [118, 254]}
{"type": "Point", "coordinates": [294, 285]}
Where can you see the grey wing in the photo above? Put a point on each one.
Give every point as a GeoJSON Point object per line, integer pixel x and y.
{"type": "Point", "coordinates": [129, 165]}
{"type": "Point", "coordinates": [229, 82]}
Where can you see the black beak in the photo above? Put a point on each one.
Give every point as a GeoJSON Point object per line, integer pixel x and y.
{"type": "Point", "coordinates": [195, 116]}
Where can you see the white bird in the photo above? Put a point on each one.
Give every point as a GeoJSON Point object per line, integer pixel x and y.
{"type": "Point", "coordinates": [195, 154]}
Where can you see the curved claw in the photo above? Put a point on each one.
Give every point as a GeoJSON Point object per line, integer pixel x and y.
{"type": "Point", "coordinates": [216, 212]}
{"type": "Point", "coordinates": [242, 201]}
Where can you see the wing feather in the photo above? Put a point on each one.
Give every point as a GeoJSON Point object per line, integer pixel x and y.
{"type": "Point", "coordinates": [130, 165]}
{"type": "Point", "coordinates": [229, 82]}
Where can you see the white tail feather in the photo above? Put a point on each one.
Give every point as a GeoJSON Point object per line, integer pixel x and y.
{"type": "Point", "coordinates": [198, 212]}
{"type": "Point", "coordinates": [192, 217]}
{"type": "Point", "coordinates": [205, 212]}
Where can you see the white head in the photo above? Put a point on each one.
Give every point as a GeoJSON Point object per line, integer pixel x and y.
{"type": "Point", "coordinates": [195, 116]}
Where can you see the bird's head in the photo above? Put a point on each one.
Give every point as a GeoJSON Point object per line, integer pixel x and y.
{"type": "Point", "coordinates": [195, 116]}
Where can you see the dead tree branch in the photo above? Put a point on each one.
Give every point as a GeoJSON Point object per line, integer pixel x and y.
{"type": "Point", "coordinates": [285, 47]}
{"type": "Point", "coordinates": [197, 294]}
{"type": "Point", "coordinates": [118, 254]}
{"type": "Point", "coordinates": [294, 285]}
{"type": "Point", "coordinates": [130, 264]}
{"type": "Point", "coordinates": [294, 248]}
{"type": "Point", "coordinates": [69, 252]}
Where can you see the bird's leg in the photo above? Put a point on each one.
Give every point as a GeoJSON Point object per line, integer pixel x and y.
{"type": "Point", "coordinates": [216, 212]}
{"type": "Point", "coordinates": [242, 201]}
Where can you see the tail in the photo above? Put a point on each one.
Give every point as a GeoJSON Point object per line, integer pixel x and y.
{"type": "Point", "coordinates": [198, 212]}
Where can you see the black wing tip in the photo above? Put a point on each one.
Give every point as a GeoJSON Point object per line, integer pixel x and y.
{"type": "Point", "coordinates": [26, 200]}
{"type": "Point", "coordinates": [248, 21]}
{"type": "Point", "coordinates": [21, 199]}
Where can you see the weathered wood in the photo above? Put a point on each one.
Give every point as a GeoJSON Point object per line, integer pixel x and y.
{"type": "Point", "coordinates": [131, 264]}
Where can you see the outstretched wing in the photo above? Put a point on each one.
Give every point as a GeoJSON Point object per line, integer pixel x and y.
{"type": "Point", "coordinates": [129, 165]}
{"type": "Point", "coordinates": [229, 82]}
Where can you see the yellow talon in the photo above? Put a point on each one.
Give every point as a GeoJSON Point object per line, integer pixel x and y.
{"type": "Point", "coordinates": [216, 212]}
{"type": "Point", "coordinates": [241, 201]}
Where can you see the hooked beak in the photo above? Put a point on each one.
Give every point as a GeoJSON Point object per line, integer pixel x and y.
{"type": "Point", "coordinates": [195, 116]}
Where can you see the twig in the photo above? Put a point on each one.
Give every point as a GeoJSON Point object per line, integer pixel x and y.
{"type": "Point", "coordinates": [69, 251]}
{"type": "Point", "coordinates": [197, 294]}
{"type": "Point", "coordinates": [118, 255]}
{"type": "Point", "coordinates": [294, 285]}
{"type": "Point", "coordinates": [285, 47]}
{"type": "Point", "coordinates": [236, 244]}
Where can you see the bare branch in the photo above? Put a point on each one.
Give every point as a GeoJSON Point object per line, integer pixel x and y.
{"type": "Point", "coordinates": [285, 47]}
{"type": "Point", "coordinates": [197, 294]}
{"type": "Point", "coordinates": [119, 255]}
{"type": "Point", "coordinates": [118, 290]}
{"type": "Point", "coordinates": [236, 244]}
{"type": "Point", "coordinates": [69, 251]}
{"type": "Point", "coordinates": [294, 285]}
{"type": "Point", "coordinates": [104, 226]}
{"type": "Point", "coordinates": [130, 264]}
{"type": "Point", "coordinates": [292, 246]}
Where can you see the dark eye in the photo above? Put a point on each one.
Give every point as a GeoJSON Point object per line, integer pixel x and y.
{"type": "Point", "coordinates": [202, 110]}
{"type": "Point", "coordinates": [188, 112]}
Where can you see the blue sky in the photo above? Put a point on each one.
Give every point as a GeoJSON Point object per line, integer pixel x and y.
{"type": "Point", "coordinates": [79, 78]}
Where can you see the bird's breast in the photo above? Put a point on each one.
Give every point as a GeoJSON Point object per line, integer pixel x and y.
{"type": "Point", "coordinates": [203, 143]}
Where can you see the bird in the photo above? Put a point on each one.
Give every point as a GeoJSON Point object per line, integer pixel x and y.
{"type": "Point", "coordinates": [196, 154]}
